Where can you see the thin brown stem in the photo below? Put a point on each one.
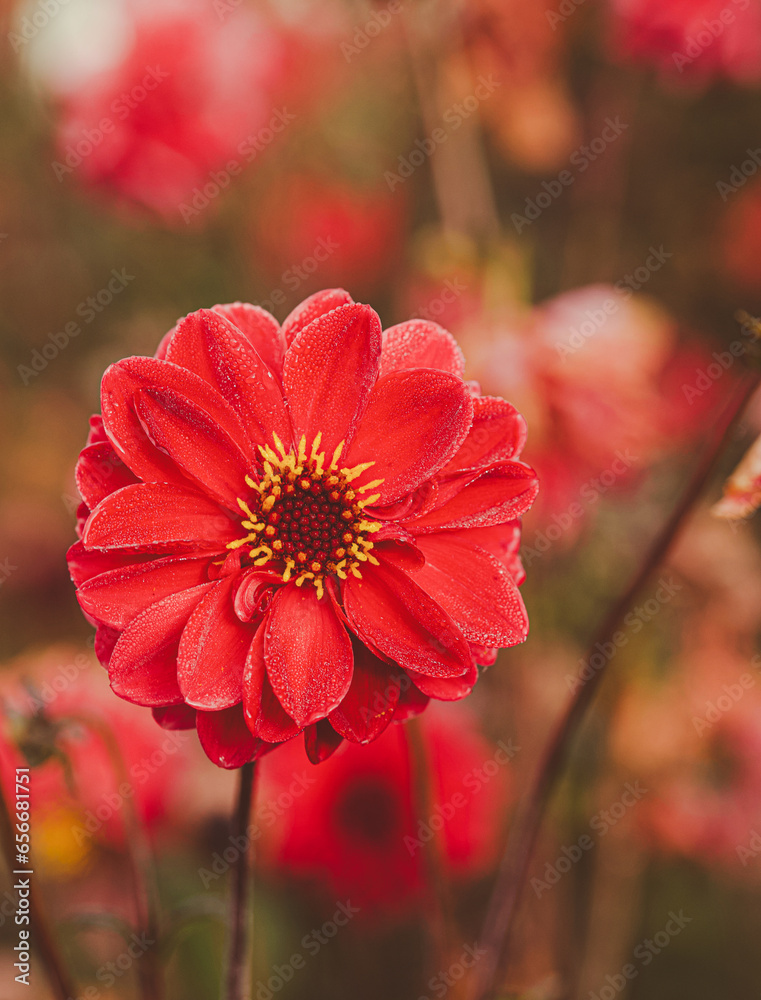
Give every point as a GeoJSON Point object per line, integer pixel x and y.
{"type": "Point", "coordinates": [499, 925]}
{"type": "Point", "coordinates": [41, 937]}
{"type": "Point", "coordinates": [240, 909]}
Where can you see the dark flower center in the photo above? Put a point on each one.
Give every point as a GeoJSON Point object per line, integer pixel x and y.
{"type": "Point", "coordinates": [307, 518]}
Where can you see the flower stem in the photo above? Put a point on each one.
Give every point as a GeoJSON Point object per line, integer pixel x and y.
{"type": "Point", "coordinates": [240, 910]}
{"type": "Point", "coordinates": [499, 925]}
{"type": "Point", "coordinates": [41, 938]}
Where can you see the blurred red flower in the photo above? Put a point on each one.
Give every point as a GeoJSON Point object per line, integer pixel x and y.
{"type": "Point", "coordinates": [194, 96]}
{"type": "Point", "coordinates": [311, 527]}
{"type": "Point", "coordinates": [692, 38]}
{"type": "Point", "coordinates": [351, 826]}
{"type": "Point", "coordinates": [312, 232]}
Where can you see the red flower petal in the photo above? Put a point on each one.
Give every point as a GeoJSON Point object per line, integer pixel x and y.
{"type": "Point", "coordinates": [484, 656]}
{"type": "Point", "coordinates": [498, 432]}
{"type": "Point", "coordinates": [446, 688]}
{"type": "Point", "coordinates": [261, 330]}
{"type": "Point", "coordinates": [254, 673]}
{"type": "Point", "coordinates": [255, 592]}
{"type": "Point", "coordinates": [371, 699]}
{"type": "Point", "coordinates": [213, 651]}
{"type": "Point", "coordinates": [503, 541]}
{"type": "Point", "coordinates": [502, 493]}
{"type": "Point", "coordinates": [308, 654]}
{"type": "Point", "coordinates": [118, 388]}
{"type": "Point", "coordinates": [321, 741]}
{"type": "Point", "coordinates": [420, 344]}
{"type": "Point", "coordinates": [474, 589]}
{"type": "Point", "coordinates": [274, 724]}
{"type": "Point", "coordinates": [159, 515]}
{"type": "Point", "coordinates": [175, 717]}
{"type": "Point", "coordinates": [119, 595]}
{"type": "Point", "coordinates": [206, 343]}
{"type": "Point", "coordinates": [174, 423]}
{"type": "Point", "coordinates": [85, 564]}
{"type": "Point", "coordinates": [226, 739]}
{"type": "Point", "coordinates": [400, 553]}
{"type": "Point", "coordinates": [99, 472]}
{"type": "Point", "coordinates": [143, 665]}
{"type": "Point", "coordinates": [413, 424]}
{"type": "Point", "coordinates": [265, 716]}
{"type": "Point", "coordinates": [391, 613]}
{"type": "Point", "coordinates": [330, 369]}
{"type": "Point", "coordinates": [106, 639]}
{"type": "Point", "coordinates": [308, 310]}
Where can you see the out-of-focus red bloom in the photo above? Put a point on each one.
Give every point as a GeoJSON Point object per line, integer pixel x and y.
{"type": "Point", "coordinates": [692, 38]}
{"type": "Point", "coordinates": [351, 826]}
{"type": "Point", "coordinates": [313, 232]}
{"type": "Point", "coordinates": [283, 527]}
{"type": "Point", "coordinates": [194, 93]}
{"type": "Point", "coordinates": [56, 707]}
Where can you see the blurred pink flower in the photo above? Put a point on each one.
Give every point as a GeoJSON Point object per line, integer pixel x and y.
{"type": "Point", "coordinates": [702, 39]}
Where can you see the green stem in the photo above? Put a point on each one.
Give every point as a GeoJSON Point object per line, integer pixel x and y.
{"type": "Point", "coordinates": [241, 928]}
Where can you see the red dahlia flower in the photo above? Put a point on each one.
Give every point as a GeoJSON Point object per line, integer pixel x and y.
{"type": "Point", "coordinates": [308, 528]}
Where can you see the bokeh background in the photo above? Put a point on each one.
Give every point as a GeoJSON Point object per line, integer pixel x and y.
{"type": "Point", "coordinates": [572, 188]}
